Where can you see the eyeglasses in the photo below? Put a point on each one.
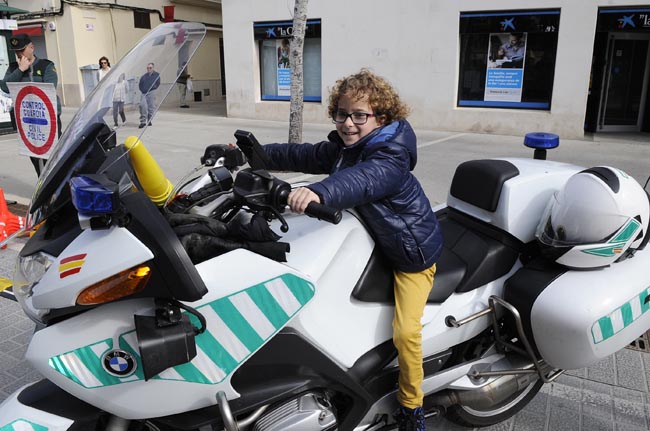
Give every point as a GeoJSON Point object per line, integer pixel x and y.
{"type": "Point", "coordinates": [358, 118]}
{"type": "Point", "coordinates": [149, 67]}
{"type": "Point", "coordinates": [103, 62]}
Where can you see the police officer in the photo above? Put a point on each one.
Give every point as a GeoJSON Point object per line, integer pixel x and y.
{"type": "Point", "coordinates": [29, 68]}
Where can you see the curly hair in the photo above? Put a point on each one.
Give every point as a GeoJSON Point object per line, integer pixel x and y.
{"type": "Point", "coordinates": [108, 63]}
{"type": "Point", "coordinates": [382, 97]}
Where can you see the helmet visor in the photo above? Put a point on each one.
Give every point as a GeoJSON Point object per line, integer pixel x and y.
{"type": "Point", "coordinates": [574, 223]}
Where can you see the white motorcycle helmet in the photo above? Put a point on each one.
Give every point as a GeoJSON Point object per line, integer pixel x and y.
{"type": "Point", "coordinates": [599, 217]}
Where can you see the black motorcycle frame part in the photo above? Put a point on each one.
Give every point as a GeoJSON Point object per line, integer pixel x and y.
{"type": "Point", "coordinates": [59, 230]}
{"type": "Point", "coordinates": [232, 156]}
{"type": "Point", "coordinates": [173, 275]}
{"type": "Point", "coordinates": [47, 397]}
{"type": "Point", "coordinates": [524, 287]}
{"type": "Point", "coordinates": [257, 158]}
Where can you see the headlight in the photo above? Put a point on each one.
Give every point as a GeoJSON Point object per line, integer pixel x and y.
{"type": "Point", "coordinates": [29, 271]}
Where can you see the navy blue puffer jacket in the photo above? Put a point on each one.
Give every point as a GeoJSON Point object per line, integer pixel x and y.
{"type": "Point", "coordinates": [374, 176]}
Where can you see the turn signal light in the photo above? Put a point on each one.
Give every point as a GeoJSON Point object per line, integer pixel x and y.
{"type": "Point", "coordinates": [118, 286]}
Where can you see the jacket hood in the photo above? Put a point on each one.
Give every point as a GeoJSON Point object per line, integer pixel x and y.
{"type": "Point", "coordinates": [399, 132]}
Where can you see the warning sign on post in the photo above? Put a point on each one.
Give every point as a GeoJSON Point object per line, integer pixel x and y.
{"type": "Point", "coordinates": [35, 112]}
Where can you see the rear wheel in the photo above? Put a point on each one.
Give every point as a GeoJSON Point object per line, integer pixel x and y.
{"type": "Point", "coordinates": [468, 416]}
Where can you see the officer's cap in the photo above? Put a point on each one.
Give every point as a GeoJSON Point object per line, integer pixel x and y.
{"type": "Point", "coordinates": [19, 42]}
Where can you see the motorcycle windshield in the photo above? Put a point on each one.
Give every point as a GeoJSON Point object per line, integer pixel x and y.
{"type": "Point", "coordinates": [149, 70]}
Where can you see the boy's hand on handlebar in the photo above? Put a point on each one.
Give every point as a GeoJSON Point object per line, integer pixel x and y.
{"type": "Point", "coordinates": [300, 198]}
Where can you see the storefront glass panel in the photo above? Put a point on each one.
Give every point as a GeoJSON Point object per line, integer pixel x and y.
{"type": "Point", "coordinates": [273, 45]}
{"type": "Point", "coordinates": [507, 58]}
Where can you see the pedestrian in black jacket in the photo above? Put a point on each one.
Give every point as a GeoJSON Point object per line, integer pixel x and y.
{"type": "Point", "coordinates": [148, 85]}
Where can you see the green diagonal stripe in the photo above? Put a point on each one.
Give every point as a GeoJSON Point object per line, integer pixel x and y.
{"type": "Point", "coordinates": [59, 366]}
{"type": "Point", "coordinates": [215, 351]}
{"type": "Point", "coordinates": [645, 305]}
{"type": "Point", "coordinates": [606, 327]}
{"type": "Point", "coordinates": [626, 233]}
{"type": "Point", "coordinates": [626, 312]}
{"type": "Point", "coordinates": [237, 324]}
{"type": "Point", "coordinates": [35, 427]}
{"type": "Point", "coordinates": [139, 371]}
{"type": "Point", "coordinates": [301, 290]}
{"type": "Point", "coordinates": [604, 251]}
{"type": "Point", "coordinates": [192, 374]}
{"type": "Point", "coordinates": [269, 306]}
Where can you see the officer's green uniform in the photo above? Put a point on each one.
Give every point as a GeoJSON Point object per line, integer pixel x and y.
{"type": "Point", "coordinates": [42, 70]}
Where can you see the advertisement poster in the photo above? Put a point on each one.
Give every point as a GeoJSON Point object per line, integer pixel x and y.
{"type": "Point", "coordinates": [505, 67]}
{"type": "Point", "coordinates": [284, 71]}
{"type": "Point", "coordinates": [34, 106]}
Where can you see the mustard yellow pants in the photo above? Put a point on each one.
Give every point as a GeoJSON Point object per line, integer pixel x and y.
{"type": "Point", "coordinates": [411, 293]}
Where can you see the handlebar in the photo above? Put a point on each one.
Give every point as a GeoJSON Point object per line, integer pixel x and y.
{"type": "Point", "coordinates": [322, 212]}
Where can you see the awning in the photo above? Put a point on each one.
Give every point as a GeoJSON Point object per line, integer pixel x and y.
{"type": "Point", "coordinates": [31, 30]}
{"type": "Point", "coordinates": [8, 10]}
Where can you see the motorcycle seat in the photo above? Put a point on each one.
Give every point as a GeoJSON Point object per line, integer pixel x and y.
{"type": "Point", "coordinates": [474, 253]}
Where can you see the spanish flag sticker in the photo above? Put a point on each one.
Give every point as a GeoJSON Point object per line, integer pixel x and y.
{"type": "Point", "coordinates": [71, 265]}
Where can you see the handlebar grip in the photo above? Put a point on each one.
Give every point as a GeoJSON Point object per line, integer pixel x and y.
{"type": "Point", "coordinates": [322, 212]}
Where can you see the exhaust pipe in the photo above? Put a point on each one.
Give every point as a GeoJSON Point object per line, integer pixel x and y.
{"type": "Point", "coordinates": [229, 422]}
{"type": "Point", "coordinates": [485, 396]}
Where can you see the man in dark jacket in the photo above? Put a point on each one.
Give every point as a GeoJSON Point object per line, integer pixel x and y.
{"type": "Point", "coordinates": [148, 84]}
{"type": "Point", "coordinates": [29, 68]}
{"type": "Point", "coordinates": [370, 157]}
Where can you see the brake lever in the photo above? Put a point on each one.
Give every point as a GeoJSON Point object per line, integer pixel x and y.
{"type": "Point", "coordinates": [259, 206]}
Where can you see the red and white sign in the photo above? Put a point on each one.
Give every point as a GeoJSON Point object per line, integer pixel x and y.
{"type": "Point", "coordinates": [35, 111]}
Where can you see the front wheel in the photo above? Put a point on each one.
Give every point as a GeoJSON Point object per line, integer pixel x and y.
{"type": "Point", "coordinates": [467, 416]}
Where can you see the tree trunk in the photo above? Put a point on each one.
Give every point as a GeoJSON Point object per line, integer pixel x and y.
{"type": "Point", "coordinates": [295, 62]}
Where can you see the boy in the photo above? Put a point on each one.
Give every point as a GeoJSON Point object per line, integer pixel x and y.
{"type": "Point", "coordinates": [369, 159]}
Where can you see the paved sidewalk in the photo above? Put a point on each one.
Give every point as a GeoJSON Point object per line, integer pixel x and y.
{"type": "Point", "coordinates": [611, 395]}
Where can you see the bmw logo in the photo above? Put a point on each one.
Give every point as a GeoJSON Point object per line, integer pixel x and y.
{"type": "Point", "coordinates": [119, 363]}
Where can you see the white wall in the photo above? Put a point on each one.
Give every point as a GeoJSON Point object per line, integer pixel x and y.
{"type": "Point", "coordinates": [415, 44]}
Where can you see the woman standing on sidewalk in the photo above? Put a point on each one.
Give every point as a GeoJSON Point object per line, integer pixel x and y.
{"type": "Point", "coordinates": [119, 97]}
{"type": "Point", "coordinates": [104, 67]}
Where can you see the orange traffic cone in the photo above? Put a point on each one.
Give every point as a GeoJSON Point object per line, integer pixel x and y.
{"type": "Point", "coordinates": [9, 223]}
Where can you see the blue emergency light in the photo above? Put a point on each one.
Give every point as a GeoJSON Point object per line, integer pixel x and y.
{"type": "Point", "coordinates": [541, 141]}
{"type": "Point", "coordinates": [92, 198]}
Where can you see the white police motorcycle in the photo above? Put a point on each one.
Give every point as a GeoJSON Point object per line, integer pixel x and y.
{"type": "Point", "coordinates": [162, 308]}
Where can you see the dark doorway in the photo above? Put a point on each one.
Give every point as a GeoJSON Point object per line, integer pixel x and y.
{"type": "Point", "coordinates": [619, 93]}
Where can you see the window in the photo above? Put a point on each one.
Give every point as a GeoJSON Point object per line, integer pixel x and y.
{"type": "Point", "coordinates": [141, 19]}
{"type": "Point", "coordinates": [273, 43]}
{"type": "Point", "coordinates": [507, 58]}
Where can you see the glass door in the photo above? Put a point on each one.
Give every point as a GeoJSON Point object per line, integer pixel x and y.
{"type": "Point", "coordinates": [625, 83]}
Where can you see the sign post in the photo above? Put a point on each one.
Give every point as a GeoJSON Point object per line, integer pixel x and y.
{"type": "Point", "coordinates": [35, 112]}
